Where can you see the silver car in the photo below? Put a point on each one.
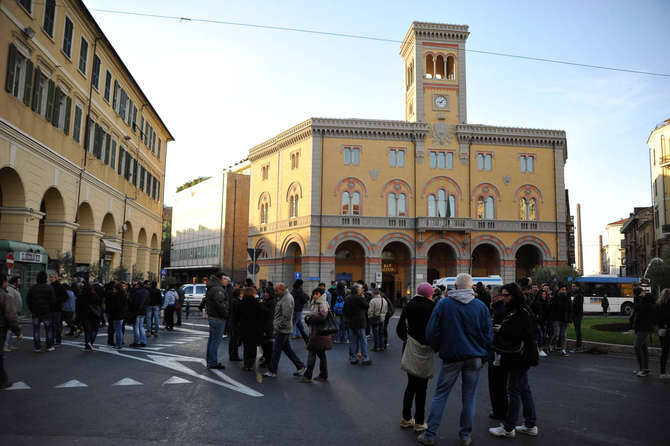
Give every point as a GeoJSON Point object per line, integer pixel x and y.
{"type": "Point", "coordinates": [194, 294]}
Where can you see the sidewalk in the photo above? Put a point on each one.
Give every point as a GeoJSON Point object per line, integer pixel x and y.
{"type": "Point", "coordinates": [613, 348]}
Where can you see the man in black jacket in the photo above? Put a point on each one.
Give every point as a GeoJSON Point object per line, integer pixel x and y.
{"type": "Point", "coordinates": [300, 299]}
{"type": "Point", "coordinates": [218, 311]}
{"type": "Point", "coordinates": [355, 318]}
{"type": "Point", "coordinates": [56, 308]}
{"type": "Point", "coordinates": [577, 313]}
{"type": "Point", "coordinates": [233, 322]}
{"type": "Point", "coordinates": [41, 297]}
{"type": "Point", "coordinates": [559, 314]}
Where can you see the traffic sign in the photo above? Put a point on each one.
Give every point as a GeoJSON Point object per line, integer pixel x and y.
{"type": "Point", "coordinates": [298, 275]}
{"type": "Point", "coordinates": [253, 268]}
{"type": "Point", "coordinates": [378, 277]}
{"type": "Point", "coordinates": [10, 261]}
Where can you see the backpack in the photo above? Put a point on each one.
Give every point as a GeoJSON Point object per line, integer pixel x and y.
{"type": "Point", "coordinates": [339, 306]}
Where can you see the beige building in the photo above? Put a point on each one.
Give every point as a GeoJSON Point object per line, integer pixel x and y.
{"type": "Point", "coordinates": [659, 156]}
{"type": "Point", "coordinates": [82, 150]}
{"type": "Point", "coordinates": [614, 251]}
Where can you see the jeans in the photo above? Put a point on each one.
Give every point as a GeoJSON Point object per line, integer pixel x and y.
{"type": "Point", "coordinates": [378, 335]}
{"type": "Point", "coordinates": [469, 371]}
{"type": "Point", "coordinates": [140, 334]}
{"type": "Point", "coordinates": [498, 389]}
{"type": "Point", "coordinates": [341, 335]}
{"type": "Point", "coordinates": [640, 346]}
{"type": "Point", "coordinates": [311, 363]}
{"type": "Point", "coordinates": [298, 325]}
{"type": "Point", "coordinates": [216, 328]}
{"type": "Point", "coordinates": [57, 326]}
{"type": "Point", "coordinates": [282, 344]}
{"type": "Point", "coordinates": [91, 327]}
{"type": "Point", "coordinates": [37, 323]}
{"type": "Point", "coordinates": [153, 314]}
{"type": "Point", "coordinates": [358, 343]}
{"type": "Point", "coordinates": [665, 349]}
{"type": "Point", "coordinates": [578, 331]}
{"type": "Point", "coordinates": [519, 392]}
{"type": "Point", "coordinates": [118, 333]}
{"type": "Point", "coordinates": [558, 335]}
{"type": "Point", "coordinates": [415, 392]}
{"type": "Point", "coordinates": [540, 334]}
{"type": "Point", "coordinates": [68, 318]}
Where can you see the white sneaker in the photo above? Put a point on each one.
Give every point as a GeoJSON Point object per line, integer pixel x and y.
{"type": "Point", "coordinates": [532, 431]}
{"type": "Point", "coordinates": [564, 353]}
{"type": "Point", "coordinates": [406, 423]}
{"type": "Point", "coordinates": [543, 354]}
{"type": "Point", "coordinates": [270, 374]}
{"type": "Point", "coordinates": [420, 427]}
{"type": "Point", "coordinates": [643, 373]}
{"type": "Point", "coordinates": [501, 432]}
{"type": "Point", "coordinates": [664, 376]}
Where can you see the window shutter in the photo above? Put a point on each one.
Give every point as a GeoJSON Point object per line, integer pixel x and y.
{"type": "Point", "coordinates": [50, 100]}
{"type": "Point", "coordinates": [108, 142]}
{"type": "Point", "coordinates": [36, 80]}
{"type": "Point", "coordinates": [55, 115]}
{"type": "Point", "coordinates": [115, 99]}
{"type": "Point", "coordinates": [11, 60]}
{"type": "Point", "coordinates": [28, 82]}
{"type": "Point", "coordinates": [68, 106]}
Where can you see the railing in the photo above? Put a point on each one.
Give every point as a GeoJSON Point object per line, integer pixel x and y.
{"type": "Point", "coordinates": [437, 223]}
{"type": "Point", "coordinates": [528, 225]}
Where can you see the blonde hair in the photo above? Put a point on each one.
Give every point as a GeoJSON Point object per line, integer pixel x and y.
{"type": "Point", "coordinates": [664, 297]}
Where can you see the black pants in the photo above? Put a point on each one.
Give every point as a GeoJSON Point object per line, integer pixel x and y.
{"type": "Point", "coordinates": [57, 326]}
{"type": "Point", "coordinates": [110, 333]}
{"type": "Point", "coordinates": [3, 374]}
{"type": "Point", "coordinates": [250, 349]}
{"type": "Point", "coordinates": [415, 392]}
{"type": "Point", "coordinates": [68, 318]}
{"type": "Point", "coordinates": [266, 345]}
{"type": "Point", "coordinates": [498, 390]}
{"type": "Point", "coordinates": [311, 362]}
{"type": "Point", "coordinates": [665, 349]}
{"type": "Point", "coordinates": [169, 317]}
{"type": "Point", "coordinates": [234, 345]}
{"type": "Point", "coordinates": [178, 310]}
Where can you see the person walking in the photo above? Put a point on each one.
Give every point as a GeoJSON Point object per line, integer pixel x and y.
{"type": "Point", "coordinates": [559, 314]}
{"type": "Point", "coordinates": [139, 300]}
{"type": "Point", "coordinates": [663, 323]}
{"type": "Point", "coordinates": [515, 341]}
{"type": "Point", "coordinates": [605, 304]}
{"type": "Point", "coordinates": [153, 307]}
{"type": "Point", "coordinates": [300, 299]}
{"type": "Point", "coordinates": [218, 309]}
{"type": "Point", "coordinates": [460, 329]}
{"type": "Point", "coordinates": [496, 373]}
{"type": "Point", "coordinates": [180, 304]}
{"type": "Point", "coordinates": [338, 310]}
{"type": "Point", "coordinates": [169, 307]}
{"type": "Point", "coordinates": [318, 344]}
{"type": "Point", "coordinates": [540, 307]}
{"type": "Point", "coordinates": [577, 313]}
{"type": "Point", "coordinates": [68, 312]}
{"type": "Point", "coordinates": [57, 307]}
{"type": "Point", "coordinates": [17, 301]}
{"type": "Point", "coordinates": [412, 324]}
{"type": "Point", "coordinates": [117, 308]}
{"type": "Point", "coordinates": [9, 321]}
{"type": "Point", "coordinates": [377, 311]}
{"type": "Point", "coordinates": [40, 300]}
{"type": "Point", "coordinates": [233, 325]}
{"type": "Point", "coordinates": [267, 311]}
{"type": "Point", "coordinates": [250, 326]}
{"type": "Point", "coordinates": [90, 312]}
{"type": "Point", "coordinates": [643, 324]}
{"type": "Point", "coordinates": [283, 325]}
{"type": "Point", "coordinates": [355, 319]}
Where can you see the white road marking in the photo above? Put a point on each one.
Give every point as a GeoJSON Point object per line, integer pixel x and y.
{"type": "Point", "coordinates": [128, 382]}
{"type": "Point", "coordinates": [71, 383]}
{"type": "Point", "coordinates": [19, 386]}
{"type": "Point", "coordinates": [188, 330]}
{"type": "Point", "coordinates": [193, 325]}
{"type": "Point", "coordinates": [177, 380]}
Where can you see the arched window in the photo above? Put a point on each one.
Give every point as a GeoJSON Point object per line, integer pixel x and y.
{"type": "Point", "coordinates": [480, 208]}
{"type": "Point", "coordinates": [430, 67]}
{"type": "Point", "coordinates": [356, 203]}
{"type": "Point", "coordinates": [264, 213]}
{"type": "Point", "coordinates": [532, 209]}
{"type": "Point", "coordinates": [451, 75]}
{"type": "Point", "coordinates": [523, 209]}
{"type": "Point", "coordinates": [346, 203]}
{"type": "Point", "coordinates": [442, 202]}
{"type": "Point", "coordinates": [490, 208]}
{"type": "Point", "coordinates": [293, 206]}
{"type": "Point", "coordinates": [432, 210]}
{"type": "Point", "coordinates": [402, 205]}
{"type": "Point", "coordinates": [451, 210]}
{"type": "Point", "coordinates": [439, 67]}
{"type": "Point", "coordinates": [391, 204]}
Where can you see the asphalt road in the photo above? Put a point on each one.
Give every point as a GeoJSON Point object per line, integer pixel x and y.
{"type": "Point", "coordinates": [172, 399]}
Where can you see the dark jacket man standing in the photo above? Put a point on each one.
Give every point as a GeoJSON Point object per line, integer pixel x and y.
{"type": "Point", "coordinates": [217, 305]}
{"type": "Point", "coordinates": [577, 313]}
{"type": "Point", "coordinates": [40, 300]}
{"type": "Point", "coordinates": [355, 318]}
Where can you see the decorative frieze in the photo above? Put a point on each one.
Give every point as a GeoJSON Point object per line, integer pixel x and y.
{"type": "Point", "coordinates": [511, 136]}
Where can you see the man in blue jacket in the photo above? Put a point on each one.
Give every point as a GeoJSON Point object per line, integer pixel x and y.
{"type": "Point", "coordinates": [460, 330]}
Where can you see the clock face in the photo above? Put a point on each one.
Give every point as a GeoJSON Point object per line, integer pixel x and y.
{"type": "Point", "coordinates": [441, 101]}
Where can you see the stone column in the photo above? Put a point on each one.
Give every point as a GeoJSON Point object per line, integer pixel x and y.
{"type": "Point", "coordinates": [17, 223]}
{"type": "Point", "coordinates": [420, 272]}
{"type": "Point", "coordinates": [154, 263]}
{"type": "Point", "coordinates": [508, 271]}
{"type": "Point", "coordinates": [58, 237]}
{"type": "Point", "coordinates": [87, 246]}
{"type": "Point", "coordinates": [142, 260]}
{"type": "Point", "coordinates": [463, 266]}
{"type": "Point", "coordinates": [129, 255]}
{"type": "Point", "coordinates": [373, 265]}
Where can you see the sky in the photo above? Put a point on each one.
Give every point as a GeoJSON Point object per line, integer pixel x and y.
{"type": "Point", "coordinates": [222, 89]}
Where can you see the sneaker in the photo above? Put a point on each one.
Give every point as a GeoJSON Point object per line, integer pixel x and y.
{"type": "Point", "coordinates": [664, 376]}
{"type": "Point", "coordinates": [218, 366]}
{"type": "Point", "coordinates": [420, 427]}
{"type": "Point", "coordinates": [543, 354]}
{"type": "Point", "coordinates": [51, 349]}
{"type": "Point", "coordinates": [564, 353]}
{"type": "Point", "coordinates": [300, 372]}
{"type": "Point", "coordinates": [532, 431]}
{"type": "Point", "coordinates": [324, 379]}
{"type": "Point", "coordinates": [501, 432]}
{"type": "Point", "coordinates": [643, 373]}
{"type": "Point", "coordinates": [7, 349]}
{"type": "Point", "coordinates": [424, 440]}
{"type": "Point", "coordinates": [406, 423]}
{"type": "Point", "coordinates": [635, 372]}
{"type": "Point", "coordinates": [270, 374]}
{"type": "Point", "coordinates": [304, 379]}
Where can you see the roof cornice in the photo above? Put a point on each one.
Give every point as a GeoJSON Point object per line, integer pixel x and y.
{"type": "Point", "coordinates": [511, 136]}
{"type": "Point", "coordinates": [434, 31]}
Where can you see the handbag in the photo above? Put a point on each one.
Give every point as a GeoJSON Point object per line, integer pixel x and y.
{"type": "Point", "coordinates": [507, 348]}
{"type": "Point", "coordinates": [329, 326]}
{"type": "Point", "coordinates": [418, 359]}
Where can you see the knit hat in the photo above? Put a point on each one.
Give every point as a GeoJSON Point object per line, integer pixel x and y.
{"type": "Point", "coordinates": [425, 289]}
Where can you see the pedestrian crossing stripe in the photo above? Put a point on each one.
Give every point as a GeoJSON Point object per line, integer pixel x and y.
{"type": "Point", "coordinates": [177, 380]}
{"type": "Point", "coordinates": [71, 383]}
{"type": "Point", "coordinates": [127, 382]}
{"type": "Point", "coordinates": [19, 386]}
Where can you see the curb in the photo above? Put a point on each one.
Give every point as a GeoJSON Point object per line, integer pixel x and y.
{"type": "Point", "coordinates": [614, 348]}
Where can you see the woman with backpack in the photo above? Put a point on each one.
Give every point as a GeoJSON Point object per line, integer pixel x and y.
{"type": "Point", "coordinates": [170, 306]}
{"type": "Point", "coordinates": [338, 309]}
{"type": "Point", "coordinates": [411, 328]}
{"type": "Point", "coordinates": [317, 344]}
{"type": "Point", "coordinates": [515, 341]}
{"type": "Point", "coordinates": [376, 315]}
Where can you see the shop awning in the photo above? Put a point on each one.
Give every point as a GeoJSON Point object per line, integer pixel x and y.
{"type": "Point", "coordinates": [111, 246]}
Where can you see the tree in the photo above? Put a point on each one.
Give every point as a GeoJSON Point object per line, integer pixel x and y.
{"type": "Point", "coordinates": [138, 275]}
{"type": "Point", "coordinates": [120, 273]}
{"type": "Point", "coordinates": [658, 274]}
{"type": "Point", "coordinates": [544, 274]}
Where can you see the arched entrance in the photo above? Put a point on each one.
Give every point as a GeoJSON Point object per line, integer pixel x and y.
{"type": "Point", "coordinates": [396, 270]}
{"type": "Point", "coordinates": [527, 257]}
{"type": "Point", "coordinates": [154, 258]}
{"type": "Point", "coordinates": [349, 262]}
{"type": "Point", "coordinates": [127, 246]}
{"type": "Point", "coordinates": [84, 245]}
{"type": "Point", "coordinates": [292, 263]}
{"type": "Point", "coordinates": [441, 261]}
{"type": "Point", "coordinates": [142, 261]}
{"type": "Point", "coordinates": [485, 261]}
{"type": "Point", "coordinates": [110, 249]}
{"type": "Point", "coordinates": [51, 231]}
{"type": "Point", "coordinates": [11, 195]}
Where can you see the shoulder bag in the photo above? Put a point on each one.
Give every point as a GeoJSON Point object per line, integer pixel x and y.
{"type": "Point", "coordinates": [417, 359]}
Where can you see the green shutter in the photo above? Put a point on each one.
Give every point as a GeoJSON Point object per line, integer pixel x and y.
{"type": "Point", "coordinates": [29, 79]}
{"type": "Point", "coordinates": [11, 61]}
{"type": "Point", "coordinates": [68, 106]}
{"type": "Point", "coordinates": [108, 142]}
{"type": "Point", "coordinates": [36, 85]}
{"type": "Point", "coordinates": [55, 115]}
{"type": "Point", "coordinates": [50, 100]}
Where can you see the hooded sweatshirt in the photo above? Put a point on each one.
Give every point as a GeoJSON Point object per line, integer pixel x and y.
{"type": "Point", "coordinates": [460, 327]}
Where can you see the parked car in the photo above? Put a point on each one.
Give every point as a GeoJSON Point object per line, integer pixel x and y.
{"type": "Point", "coordinates": [194, 294]}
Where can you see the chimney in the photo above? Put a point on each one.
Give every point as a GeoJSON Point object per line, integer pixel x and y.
{"type": "Point", "coordinates": [580, 246]}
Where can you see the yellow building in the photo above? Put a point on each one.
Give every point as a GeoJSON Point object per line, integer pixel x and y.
{"type": "Point", "coordinates": [82, 150]}
{"type": "Point", "coordinates": [400, 202]}
{"type": "Point", "coordinates": [659, 155]}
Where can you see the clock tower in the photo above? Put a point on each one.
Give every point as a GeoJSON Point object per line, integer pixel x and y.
{"type": "Point", "coordinates": [435, 93]}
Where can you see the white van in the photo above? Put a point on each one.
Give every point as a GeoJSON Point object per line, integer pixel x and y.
{"type": "Point", "coordinates": [449, 282]}
{"type": "Point", "coordinates": [194, 294]}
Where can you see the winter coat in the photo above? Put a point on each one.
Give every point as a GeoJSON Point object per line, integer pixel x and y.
{"type": "Point", "coordinates": [319, 313]}
{"type": "Point", "coordinates": [250, 320]}
{"type": "Point", "coordinates": [40, 299]}
{"type": "Point", "coordinates": [540, 308]}
{"type": "Point", "coordinates": [139, 300]}
{"type": "Point", "coordinates": [644, 314]}
{"type": "Point", "coordinates": [117, 306]}
{"type": "Point", "coordinates": [89, 305]}
{"type": "Point", "coordinates": [663, 315]}
{"type": "Point", "coordinates": [414, 319]}
{"type": "Point", "coordinates": [282, 321]}
{"type": "Point", "coordinates": [299, 298]}
{"type": "Point", "coordinates": [216, 300]}
{"type": "Point", "coordinates": [577, 305]}
{"type": "Point", "coordinates": [559, 308]}
{"type": "Point", "coordinates": [378, 307]}
{"type": "Point", "coordinates": [8, 318]}
{"type": "Point", "coordinates": [355, 312]}
{"type": "Point", "coordinates": [517, 326]}
{"type": "Point", "coordinates": [171, 298]}
{"type": "Point", "coordinates": [267, 311]}
{"type": "Point", "coordinates": [155, 297]}
{"type": "Point", "coordinates": [60, 297]}
{"type": "Point", "coordinates": [18, 300]}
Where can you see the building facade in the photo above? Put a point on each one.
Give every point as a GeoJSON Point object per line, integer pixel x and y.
{"type": "Point", "coordinates": [639, 238]}
{"type": "Point", "coordinates": [614, 251]}
{"type": "Point", "coordinates": [208, 231]}
{"type": "Point", "coordinates": [659, 157]}
{"type": "Point", "coordinates": [399, 202]}
{"type": "Point", "coordinates": [82, 150]}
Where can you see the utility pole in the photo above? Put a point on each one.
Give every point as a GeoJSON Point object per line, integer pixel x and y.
{"type": "Point", "coordinates": [580, 256]}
